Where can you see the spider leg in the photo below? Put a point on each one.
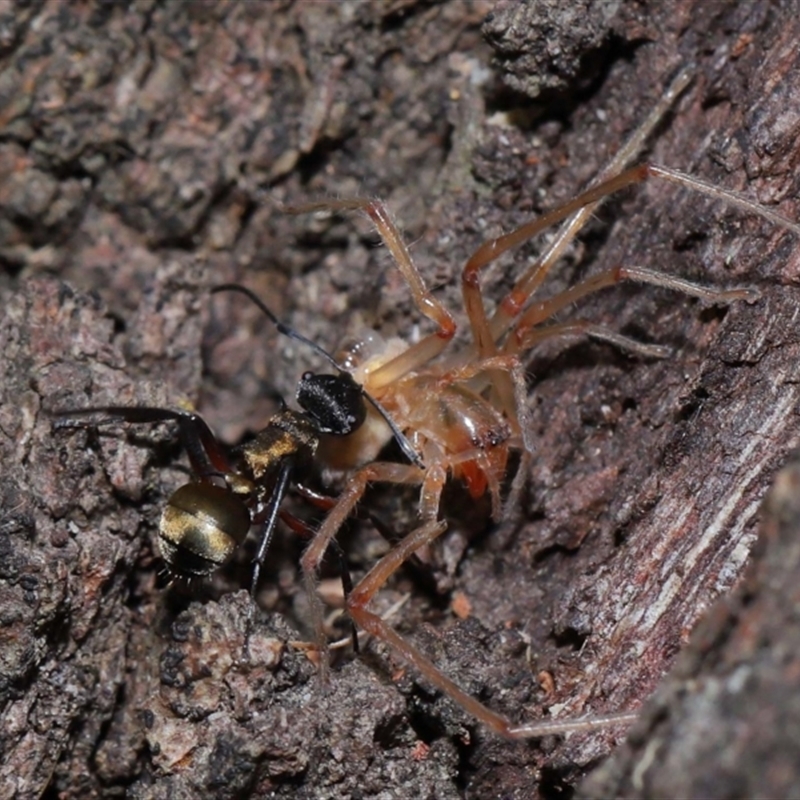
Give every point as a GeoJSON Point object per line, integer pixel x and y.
{"type": "Point", "coordinates": [615, 176]}
{"type": "Point", "coordinates": [357, 606]}
{"type": "Point", "coordinates": [524, 333]}
{"type": "Point", "coordinates": [430, 346]}
{"type": "Point", "coordinates": [577, 328]}
{"type": "Point", "coordinates": [303, 529]}
{"type": "Point", "coordinates": [516, 299]}
{"type": "Point", "coordinates": [345, 504]}
{"type": "Point", "coordinates": [534, 276]}
{"type": "Point", "coordinates": [576, 213]}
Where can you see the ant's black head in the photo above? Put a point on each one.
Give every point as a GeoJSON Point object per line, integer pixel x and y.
{"type": "Point", "coordinates": [335, 403]}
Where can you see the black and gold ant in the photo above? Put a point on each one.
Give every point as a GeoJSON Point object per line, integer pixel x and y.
{"type": "Point", "coordinates": [206, 519]}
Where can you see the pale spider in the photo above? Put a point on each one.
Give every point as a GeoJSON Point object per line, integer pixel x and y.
{"type": "Point", "coordinates": [464, 411]}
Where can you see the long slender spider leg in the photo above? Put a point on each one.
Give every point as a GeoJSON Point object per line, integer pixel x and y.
{"type": "Point", "coordinates": [580, 328]}
{"type": "Point", "coordinates": [539, 312]}
{"type": "Point", "coordinates": [539, 728]}
{"type": "Point", "coordinates": [431, 492]}
{"type": "Point", "coordinates": [367, 620]}
{"type": "Point", "coordinates": [533, 277]}
{"type": "Point", "coordinates": [302, 528]}
{"type": "Point", "coordinates": [312, 558]}
{"type": "Point", "coordinates": [487, 334]}
{"type": "Point", "coordinates": [520, 401]}
{"type": "Point", "coordinates": [429, 346]}
{"type": "Point", "coordinates": [515, 301]}
{"type": "Point", "coordinates": [492, 249]}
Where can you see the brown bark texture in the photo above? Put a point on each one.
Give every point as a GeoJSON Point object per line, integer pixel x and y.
{"type": "Point", "coordinates": [145, 149]}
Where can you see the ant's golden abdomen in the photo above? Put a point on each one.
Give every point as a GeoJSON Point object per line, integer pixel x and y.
{"type": "Point", "coordinates": [201, 525]}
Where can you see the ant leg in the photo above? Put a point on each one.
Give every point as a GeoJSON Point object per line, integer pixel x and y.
{"type": "Point", "coordinates": [207, 456]}
{"type": "Point", "coordinates": [319, 499]}
{"type": "Point", "coordinates": [353, 492]}
{"type": "Point", "coordinates": [539, 312]}
{"type": "Point", "coordinates": [372, 582]}
{"type": "Point", "coordinates": [202, 522]}
{"type": "Point", "coordinates": [428, 347]}
{"type": "Point", "coordinates": [267, 519]}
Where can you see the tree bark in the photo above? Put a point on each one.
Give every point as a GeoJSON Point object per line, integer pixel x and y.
{"type": "Point", "coordinates": [145, 153]}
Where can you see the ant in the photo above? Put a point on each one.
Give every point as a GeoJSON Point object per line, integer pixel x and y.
{"type": "Point", "coordinates": [455, 415]}
{"type": "Point", "coordinates": [205, 520]}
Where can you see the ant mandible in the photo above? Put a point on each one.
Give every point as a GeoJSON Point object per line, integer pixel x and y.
{"type": "Point", "coordinates": [464, 412]}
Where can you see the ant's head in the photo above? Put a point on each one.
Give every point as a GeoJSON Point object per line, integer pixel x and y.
{"type": "Point", "coordinates": [335, 403]}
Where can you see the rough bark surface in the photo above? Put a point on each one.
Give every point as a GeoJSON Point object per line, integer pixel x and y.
{"type": "Point", "coordinates": [144, 150]}
{"type": "Point", "coordinates": [725, 721]}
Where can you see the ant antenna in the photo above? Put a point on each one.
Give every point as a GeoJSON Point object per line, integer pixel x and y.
{"type": "Point", "coordinates": [282, 328]}
{"type": "Point", "coordinates": [401, 439]}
